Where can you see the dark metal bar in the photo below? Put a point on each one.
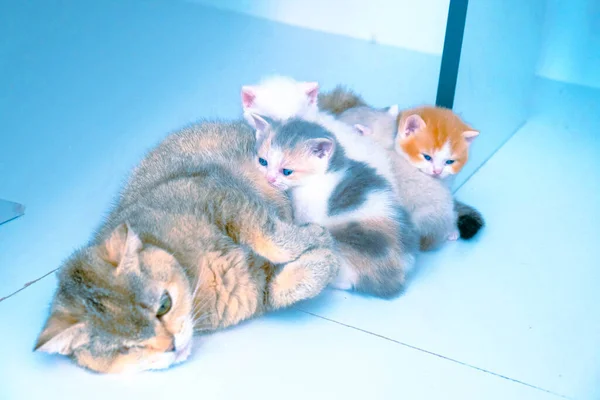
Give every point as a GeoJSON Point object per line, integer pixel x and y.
{"type": "Point", "coordinates": [455, 28]}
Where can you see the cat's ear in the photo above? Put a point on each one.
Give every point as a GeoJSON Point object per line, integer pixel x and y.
{"type": "Point", "coordinates": [470, 136]}
{"type": "Point", "coordinates": [393, 111]}
{"type": "Point", "coordinates": [322, 148]}
{"type": "Point", "coordinates": [312, 91]}
{"type": "Point", "coordinates": [248, 95]}
{"type": "Point", "coordinates": [61, 334]}
{"type": "Point", "coordinates": [121, 244]}
{"type": "Point", "coordinates": [411, 125]}
{"type": "Point", "coordinates": [260, 125]}
{"type": "Point", "coordinates": [362, 130]}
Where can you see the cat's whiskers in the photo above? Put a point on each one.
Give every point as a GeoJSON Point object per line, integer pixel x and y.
{"type": "Point", "coordinates": [200, 307]}
{"type": "Point", "coordinates": [196, 287]}
{"type": "Point", "coordinates": [206, 323]}
{"type": "Point", "coordinates": [197, 313]}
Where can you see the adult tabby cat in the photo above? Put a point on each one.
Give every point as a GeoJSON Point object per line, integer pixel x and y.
{"type": "Point", "coordinates": [193, 243]}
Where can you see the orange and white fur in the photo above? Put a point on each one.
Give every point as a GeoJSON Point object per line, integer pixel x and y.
{"type": "Point", "coordinates": [435, 140]}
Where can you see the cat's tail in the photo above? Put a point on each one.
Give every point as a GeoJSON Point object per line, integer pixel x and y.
{"type": "Point", "coordinates": [469, 221]}
{"type": "Point", "coordinates": [339, 100]}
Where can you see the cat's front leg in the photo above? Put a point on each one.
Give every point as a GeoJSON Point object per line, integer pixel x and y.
{"type": "Point", "coordinates": [303, 278]}
{"type": "Point", "coordinates": [282, 242]}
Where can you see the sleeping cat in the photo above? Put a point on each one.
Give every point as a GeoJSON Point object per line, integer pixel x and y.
{"type": "Point", "coordinates": [373, 234]}
{"type": "Point", "coordinates": [427, 200]}
{"type": "Point", "coordinates": [192, 244]}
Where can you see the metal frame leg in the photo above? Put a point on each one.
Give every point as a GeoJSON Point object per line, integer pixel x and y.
{"type": "Point", "coordinates": [455, 28]}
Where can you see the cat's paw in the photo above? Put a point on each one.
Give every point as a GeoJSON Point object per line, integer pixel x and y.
{"type": "Point", "coordinates": [454, 236]}
{"type": "Point", "coordinates": [318, 236]}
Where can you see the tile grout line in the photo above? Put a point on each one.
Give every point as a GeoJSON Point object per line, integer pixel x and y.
{"type": "Point", "coordinates": [26, 285]}
{"type": "Point", "coordinates": [435, 354]}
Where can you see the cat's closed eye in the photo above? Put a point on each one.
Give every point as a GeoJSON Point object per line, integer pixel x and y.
{"type": "Point", "coordinates": [125, 349]}
{"type": "Point", "coordinates": [165, 304]}
{"type": "Point", "coordinates": [262, 162]}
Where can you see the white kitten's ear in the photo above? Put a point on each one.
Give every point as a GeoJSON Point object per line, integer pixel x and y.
{"type": "Point", "coordinates": [312, 91]}
{"type": "Point", "coordinates": [411, 125]}
{"type": "Point", "coordinates": [260, 125]}
{"type": "Point", "coordinates": [248, 96]}
{"type": "Point", "coordinates": [362, 130]}
{"type": "Point", "coordinates": [61, 335]}
{"type": "Point", "coordinates": [121, 245]}
{"type": "Point", "coordinates": [470, 136]}
{"type": "Point", "coordinates": [393, 111]}
{"type": "Point", "coordinates": [322, 148]}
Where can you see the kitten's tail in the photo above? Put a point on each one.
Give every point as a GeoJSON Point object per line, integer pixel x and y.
{"type": "Point", "coordinates": [339, 100]}
{"type": "Point", "coordinates": [470, 221]}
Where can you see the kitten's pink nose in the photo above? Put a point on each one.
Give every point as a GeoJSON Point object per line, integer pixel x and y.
{"type": "Point", "coordinates": [271, 179]}
{"type": "Point", "coordinates": [437, 171]}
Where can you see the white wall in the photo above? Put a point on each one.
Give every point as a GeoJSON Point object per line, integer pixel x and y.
{"type": "Point", "coordinates": [497, 72]}
{"type": "Point", "coordinates": [414, 25]}
{"type": "Point", "coordinates": [571, 46]}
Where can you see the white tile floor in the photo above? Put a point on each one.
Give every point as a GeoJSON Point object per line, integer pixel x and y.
{"type": "Point", "coordinates": [512, 315]}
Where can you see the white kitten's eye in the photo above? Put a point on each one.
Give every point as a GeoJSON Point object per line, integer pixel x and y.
{"type": "Point", "coordinates": [287, 172]}
{"type": "Point", "coordinates": [262, 161]}
{"type": "Point", "coordinates": [449, 162]}
{"type": "Point", "coordinates": [427, 157]}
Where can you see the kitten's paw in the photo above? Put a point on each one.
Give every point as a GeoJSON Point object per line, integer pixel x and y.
{"type": "Point", "coordinates": [345, 279]}
{"type": "Point", "coordinates": [454, 236]}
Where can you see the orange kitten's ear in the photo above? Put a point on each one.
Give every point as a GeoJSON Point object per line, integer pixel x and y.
{"type": "Point", "coordinates": [312, 91]}
{"type": "Point", "coordinates": [258, 123]}
{"type": "Point", "coordinates": [62, 334]}
{"type": "Point", "coordinates": [470, 136]}
{"type": "Point", "coordinates": [248, 96]}
{"type": "Point", "coordinates": [411, 125]}
{"type": "Point", "coordinates": [362, 130]}
{"type": "Point", "coordinates": [120, 246]}
{"type": "Point", "coordinates": [322, 147]}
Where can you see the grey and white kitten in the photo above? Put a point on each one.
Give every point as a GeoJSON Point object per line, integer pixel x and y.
{"type": "Point", "coordinates": [374, 236]}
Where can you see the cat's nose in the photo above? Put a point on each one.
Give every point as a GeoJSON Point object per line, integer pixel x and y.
{"type": "Point", "coordinates": [437, 171]}
{"type": "Point", "coordinates": [271, 179]}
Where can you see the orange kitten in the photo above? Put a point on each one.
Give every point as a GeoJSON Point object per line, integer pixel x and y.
{"type": "Point", "coordinates": [434, 139]}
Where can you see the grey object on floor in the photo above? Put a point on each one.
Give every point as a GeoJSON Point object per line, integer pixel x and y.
{"type": "Point", "coordinates": [10, 210]}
